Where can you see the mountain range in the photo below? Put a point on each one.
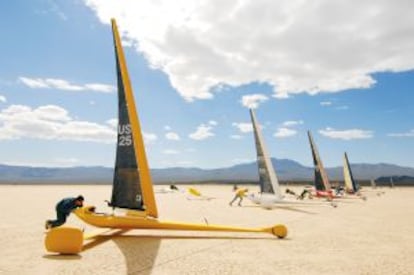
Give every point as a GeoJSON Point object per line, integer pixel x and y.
{"type": "Point", "coordinates": [286, 170]}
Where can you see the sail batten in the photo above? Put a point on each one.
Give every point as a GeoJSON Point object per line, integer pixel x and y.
{"type": "Point", "coordinates": [132, 186]}
{"type": "Point", "coordinates": [321, 178]}
{"type": "Point", "coordinates": [267, 175]}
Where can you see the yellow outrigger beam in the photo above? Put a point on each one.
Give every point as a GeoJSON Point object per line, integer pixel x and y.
{"type": "Point", "coordinates": [146, 222]}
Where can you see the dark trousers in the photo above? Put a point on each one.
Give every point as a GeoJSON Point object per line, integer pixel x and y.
{"type": "Point", "coordinates": [235, 198]}
{"type": "Point", "coordinates": [61, 219]}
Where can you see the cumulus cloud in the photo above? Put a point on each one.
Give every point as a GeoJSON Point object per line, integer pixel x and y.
{"type": "Point", "coordinates": [50, 122]}
{"type": "Point", "coordinates": [292, 123]}
{"type": "Point", "coordinates": [172, 136]}
{"type": "Point", "coordinates": [244, 127]}
{"type": "Point", "coordinates": [203, 132]}
{"type": "Point", "coordinates": [201, 45]}
{"type": "Point", "coordinates": [284, 132]}
{"type": "Point", "coordinates": [3, 99]}
{"type": "Point", "coordinates": [346, 134]}
{"type": "Point", "coordinates": [61, 84]}
{"type": "Point", "coordinates": [406, 134]}
{"type": "Point", "coordinates": [253, 101]}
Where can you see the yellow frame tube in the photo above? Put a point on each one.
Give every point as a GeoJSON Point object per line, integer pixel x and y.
{"type": "Point", "coordinates": [136, 222]}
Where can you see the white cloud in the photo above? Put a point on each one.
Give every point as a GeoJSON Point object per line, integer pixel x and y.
{"type": "Point", "coordinates": [406, 134]}
{"type": "Point", "coordinates": [167, 128]}
{"type": "Point", "coordinates": [236, 137]}
{"type": "Point", "coordinates": [346, 134]}
{"type": "Point", "coordinates": [326, 103]}
{"type": "Point", "coordinates": [3, 99]}
{"type": "Point", "coordinates": [284, 132]}
{"type": "Point", "coordinates": [113, 122]}
{"type": "Point", "coordinates": [253, 101]}
{"type": "Point", "coordinates": [205, 44]}
{"type": "Point", "coordinates": [170, 152]}
{"type": "Point", "coordinates": [98, 87]}
{"type": "Point", "coordinates": [149, 138]}
{"type": "Point", "coordinates": [61, 84]}
{"type": "Point", "coordinates": [172, 136]}
{"type": "Point", "coordinates": [213, 122]}
{"type": "Point", "coordinates": [203, 132]}
{"type": "Point", "coordinates": [292, 123]}
{"type": "Point", "coordinates": [50, 122]}
{"type": "Point", "coordinates": [244, 127]}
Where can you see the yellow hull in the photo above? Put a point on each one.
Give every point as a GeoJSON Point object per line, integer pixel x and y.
{"type": "Point", "coordinates": [194, 191]}
{"type": "Point", "coordinates": [145, 222]}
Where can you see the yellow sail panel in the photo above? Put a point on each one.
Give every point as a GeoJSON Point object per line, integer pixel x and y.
{"type": "Point", "coordinates": [144, 173]}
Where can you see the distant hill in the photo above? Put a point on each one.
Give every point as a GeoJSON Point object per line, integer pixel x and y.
{"type": "Point", "coordinates": [285, 168]}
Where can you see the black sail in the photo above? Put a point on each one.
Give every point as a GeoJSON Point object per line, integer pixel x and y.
{"type": "Point", "coordinates": [126, 192]}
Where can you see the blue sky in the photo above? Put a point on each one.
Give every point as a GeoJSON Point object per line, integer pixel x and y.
{"type": "Point", "coordinates": [57, 101]}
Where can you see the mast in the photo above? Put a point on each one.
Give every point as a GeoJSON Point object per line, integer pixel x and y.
{"type": "Point", "coordinates": [321, 178]}
{"type": "Point", "coordinates": [268, 179]}
{"type": "Point", "coordinates": [132, 186]}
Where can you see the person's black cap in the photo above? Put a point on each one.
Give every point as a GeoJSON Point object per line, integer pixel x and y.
{"type": "Point", "coordinates": [80, 198]}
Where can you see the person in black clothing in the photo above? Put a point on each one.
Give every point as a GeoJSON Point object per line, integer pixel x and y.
{"type": "Point", "coordinates": [63, 209]}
